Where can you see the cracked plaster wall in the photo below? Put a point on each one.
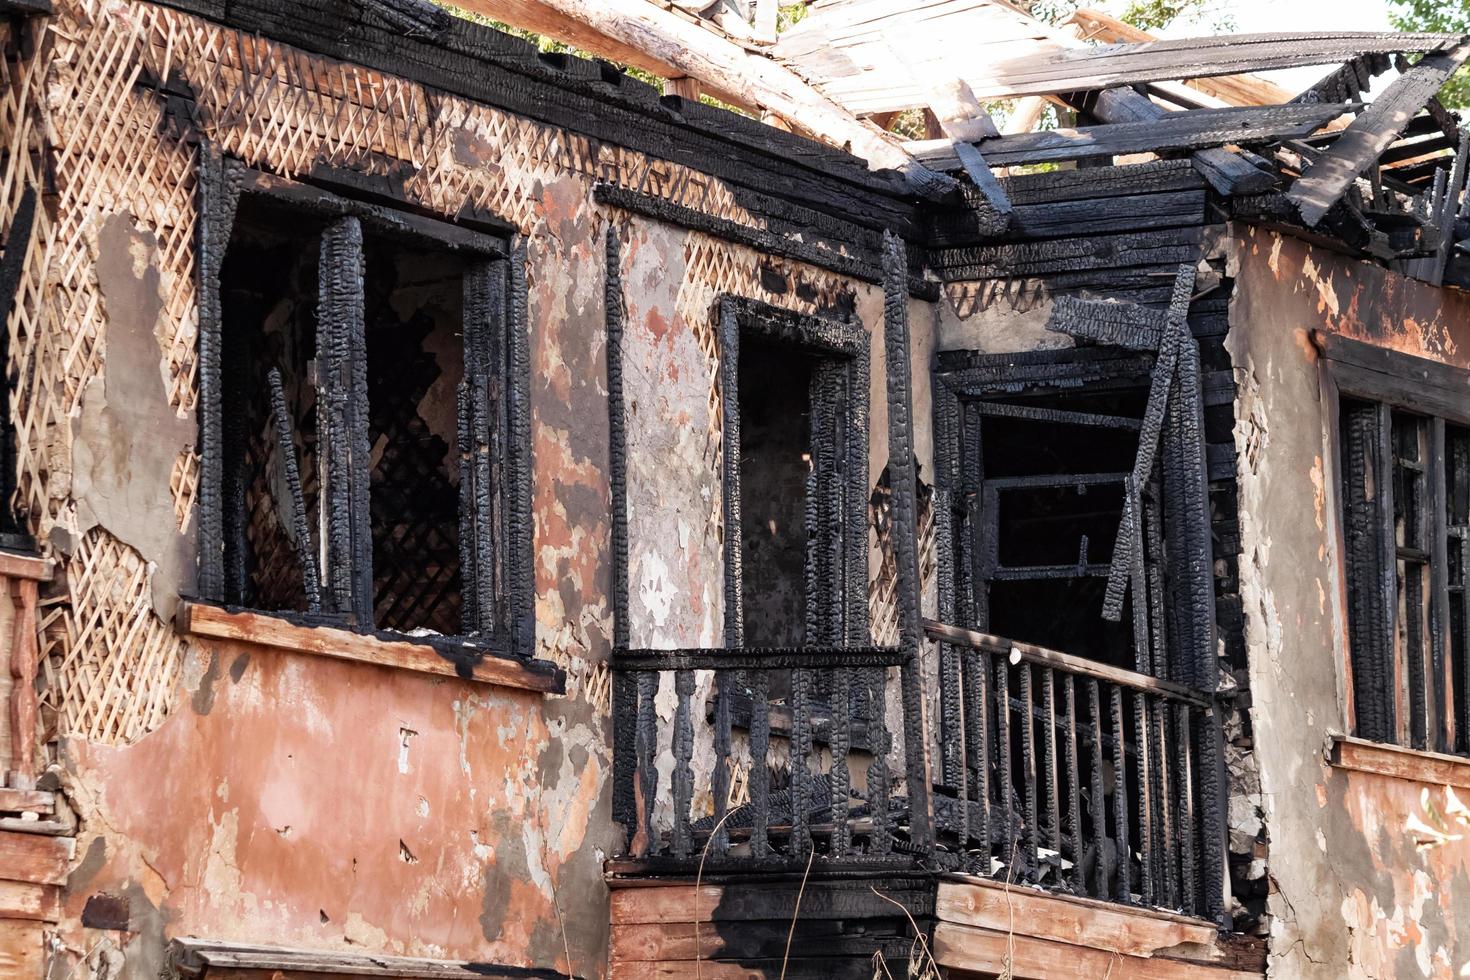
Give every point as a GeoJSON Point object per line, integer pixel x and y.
{"type": "Point", "coordinates": [286, 799]}
{"type": "Point", "coordinates": [1350, 896]}
{"type": "Point", "coordinates": [671, 281]}
{"type": "Point", "coordinates": [295, 800]}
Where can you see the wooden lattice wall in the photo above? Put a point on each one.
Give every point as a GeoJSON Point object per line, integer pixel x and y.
{"type": "Point", "coordinates": [85, 116]}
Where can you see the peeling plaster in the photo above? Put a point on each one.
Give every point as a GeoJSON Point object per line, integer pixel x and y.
{"type": "Point", "coordinates": [1350, 895]}
{"type": "Point", "coordinates": [128, 438]}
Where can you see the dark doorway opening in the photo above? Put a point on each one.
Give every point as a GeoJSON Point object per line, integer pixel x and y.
{"type": "Point", "coordinates": [775, 468]}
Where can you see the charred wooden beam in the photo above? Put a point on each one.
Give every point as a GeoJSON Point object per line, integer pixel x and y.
{"type": "Point", "coordinates": [904, 480]}
{"type": "Point", "coordinates": [1227, 172]}
{"type": "Point", "coordinates": [760, 239]}
{"type": "Point", "coordinates": [1328, 178]}
{"type": "Point", "coordinates": [1348, 83]}
{"type": "Point", "coordinates": [995, 217]}
{"type": "Point", "coordinates": [520, 519]}
{"type": "Point", "coordinates": [418, 18]}
{"type": "Point", "coordinates": [1171, 131]}
{"type": "Point", "coordinates": [342, 421]}
{"type": "Point", "coordinates": [626, 690]}
{"type": "Point", "coordinates": [1109, 322]}
{"type": "Point", "coordinates": [1080, 666]}
{"type": "Point", "coordinates": [220, 180]}
{"type": "Point", "coordinates": [1082, 68]}
{"type": "Point", "coordinates": [756, 658]}
{"type": "Point", "coordinates": [26, 8]}
{"type": "Point", "coordinates": [295, 503]}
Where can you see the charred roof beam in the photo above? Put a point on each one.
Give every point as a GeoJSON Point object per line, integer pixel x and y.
{"type": "Point", "coordinates": [1329, 177]}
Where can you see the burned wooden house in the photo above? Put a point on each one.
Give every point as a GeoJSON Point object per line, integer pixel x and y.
{"type": "Point", "coordinates": [471, 513]}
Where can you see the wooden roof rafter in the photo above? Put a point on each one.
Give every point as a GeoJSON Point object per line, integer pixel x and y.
{"type": "Point", "coordinates": [689, 49]}
{"type": "Point", "coordinates": [1173, 131]}
{"type": "Point", "coordinates": [1359, 147]}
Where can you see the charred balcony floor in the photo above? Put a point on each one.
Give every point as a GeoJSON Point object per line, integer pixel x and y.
{"type": "Point", "coordinates": [864, 923]}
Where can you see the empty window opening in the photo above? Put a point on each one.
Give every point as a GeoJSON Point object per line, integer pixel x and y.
{"type": "Point", "coordinates": [423, 438]}
{"type": "Point", "coordinates": [1049, 508]}
{"type": "Point", "coordinates": [268, 294]}
{"type": "Point", "coordinates": [415, 362]}
{"type": "Point", "coordinates": [1404, 476]}
{"type": "Point", "coordinates": [775, 464]}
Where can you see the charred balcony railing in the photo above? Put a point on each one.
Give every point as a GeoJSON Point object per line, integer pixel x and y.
{"type": "Point", "coordinates": [780, 757]}
{"type": "Point", "coordinates": [1081, 776]}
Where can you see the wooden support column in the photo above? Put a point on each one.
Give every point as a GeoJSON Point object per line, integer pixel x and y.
{"type": "Point", "coordinates": [903, 478]}
{"type": "Point", "coordinates": [20, 577]}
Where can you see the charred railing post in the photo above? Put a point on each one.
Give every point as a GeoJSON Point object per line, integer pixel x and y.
{"type": "Point", "coordinates": [220, 181]}
{"type": "Point", "coordinates": [295, 507]}
{"type": "Point", "coordinates": [905, 534]}
{"type": "Point", "coordinates": [1130, 748]}
{"type": "Point", "coordinates": [626, 755]}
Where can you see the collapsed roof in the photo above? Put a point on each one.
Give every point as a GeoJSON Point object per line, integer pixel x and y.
{"type": "Point", "coordinates": [1384, 175]}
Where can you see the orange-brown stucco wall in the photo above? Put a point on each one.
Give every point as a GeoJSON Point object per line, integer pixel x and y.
{"type": "Point", "coordinates": [1351, 896]}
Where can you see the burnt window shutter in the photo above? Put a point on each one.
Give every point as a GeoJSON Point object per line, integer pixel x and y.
{"type": "Point", "coordinates": [482, 439]}
{"type": "Point", "coordinates": [1371, 573]}
{"type": "Point", "coordinates": [519, 521]}
{"type": "Point", "coordinates": [342, 422]}
{"type": "Point", "coordinates": [218, 198]}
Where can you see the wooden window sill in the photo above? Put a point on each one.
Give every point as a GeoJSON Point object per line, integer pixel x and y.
{"type": "Point", "coordinates": [215, 622]}
{"type": "Point", "coordinates": [208, 959]}
{"type": "Point", "coordinates": [13, 564]}
{"type": "Point", "coordinates": [1414, 765]}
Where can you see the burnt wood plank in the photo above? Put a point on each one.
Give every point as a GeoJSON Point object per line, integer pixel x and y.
{"type": "Point", "coordinates": [1083, 215]}
{"type": "Point", "coordinates": [487, 66]}
{"type": "Point", "coordinates": [1226, 171]}
{"type": "Point", "coordinates": [1325, 181]}
{"type": "Point", "coordinates": [1163, 248]}
{"type": "Point", "coordinates": [1199, 129]}
{"type": "Point", "coordinates": [1155, 61]}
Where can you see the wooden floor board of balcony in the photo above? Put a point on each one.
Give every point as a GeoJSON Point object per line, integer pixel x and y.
{"type": "Point", "coordinates": [772, 926]}
{"type": "Point", "coordinates": [982, 926]}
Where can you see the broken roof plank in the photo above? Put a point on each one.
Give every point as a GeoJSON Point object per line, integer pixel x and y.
{"type": "Point", "coordinates": [1004, 54]}
{"type": "Point", "coordinates": [1156, 61]}
{"type": "Point", "coordinates": [727, 66]}
{"type": "Point", "coordinates": [1094, 25]}
{"type": "Point", "coordinates": [1323, 183]}
{"type": "Point", "coordinates": [977, 168]}
{"type": "Point", "coordinates": [1172, 131]}
{"type": "Point", "coordinates": [1229, 173]}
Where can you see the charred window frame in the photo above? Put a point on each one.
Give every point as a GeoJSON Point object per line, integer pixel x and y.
{"type": "Point", "coordinates": [1401, 439]}
{"type": "Point", "coordinates": [836, 567]}
{"type": "Point", "coordinates": [1080, 401]}
{"type": "Point", "coordinates": [486, 453]}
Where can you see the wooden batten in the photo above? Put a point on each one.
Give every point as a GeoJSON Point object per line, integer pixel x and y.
{"type": "Point", "coordinates": [985, 904]}
{"type": "Point", "coordinates": [201, 619]}
{"type": "Point", "coordinates": [1399, 762]}
{"type": "Point", "coordinates": [35, 858]}
{"type": "Point", "coordinates": [30, 900]}
{"type": "Point", "coordinates": [987, 951]}
{"type": "Point", "coordinates": [14, 565]}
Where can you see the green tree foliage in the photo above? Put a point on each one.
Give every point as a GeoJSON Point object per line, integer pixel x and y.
{"type": "Point", "coordinates": [1146, 15]}
{"type": "Point", "coordinates": [1447, 16]}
